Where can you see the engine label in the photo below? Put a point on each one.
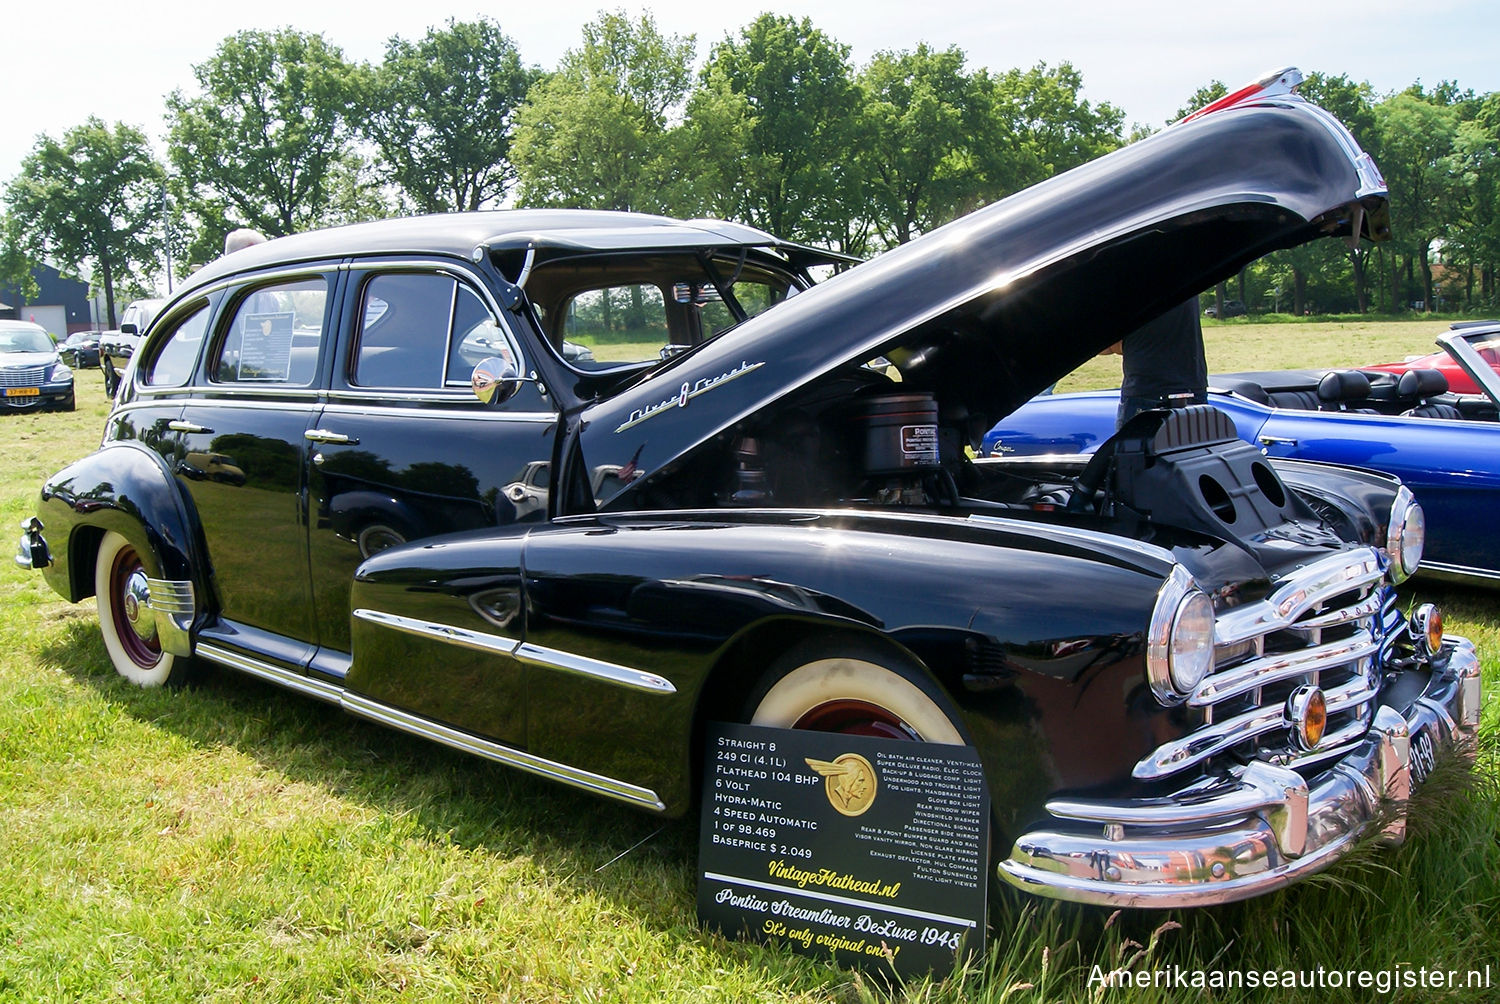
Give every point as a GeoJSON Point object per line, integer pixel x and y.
{"type": "Point", "coordinates": [920, 441]}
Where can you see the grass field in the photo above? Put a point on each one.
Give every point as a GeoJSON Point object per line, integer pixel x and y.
{"type": "Point", "coordinates": [231, 842]}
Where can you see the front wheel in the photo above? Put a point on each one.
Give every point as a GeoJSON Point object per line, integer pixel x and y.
{"type": "Point", "coordinates": [128, 625]}
{"type": "Point", "coordinates": [853, 691]}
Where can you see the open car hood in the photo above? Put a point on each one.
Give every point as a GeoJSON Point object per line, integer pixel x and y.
{"type": "Point", "coordinates": [993, 308]}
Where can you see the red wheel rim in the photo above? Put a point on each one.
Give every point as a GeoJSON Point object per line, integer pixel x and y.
{"type": "Point", "coordinates": [855, 718]}
{"type": "Point", "coordinates": [126, 565]}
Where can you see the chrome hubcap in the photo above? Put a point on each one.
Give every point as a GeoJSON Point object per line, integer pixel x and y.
{"type": "Point", "coordinates": [134, 606]}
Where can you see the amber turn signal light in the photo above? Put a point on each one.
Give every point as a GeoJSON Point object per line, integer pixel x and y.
{"type": "Point", "coordinates": [1307, 714]}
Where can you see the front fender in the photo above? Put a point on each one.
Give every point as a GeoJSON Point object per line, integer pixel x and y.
{"type": "Point", "coordinates": [125, 487]}
{"type": "Point", "coordinates": [627, 627]}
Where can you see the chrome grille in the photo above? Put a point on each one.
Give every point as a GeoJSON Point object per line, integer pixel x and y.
{"type": "Point", "coordinates": [23, 376]}
{"type": "Point", "coordinates": [1329, 625]}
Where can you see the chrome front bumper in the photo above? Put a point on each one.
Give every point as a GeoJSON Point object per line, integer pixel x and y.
{"type": "Point", "coordinates": [1245, 836]}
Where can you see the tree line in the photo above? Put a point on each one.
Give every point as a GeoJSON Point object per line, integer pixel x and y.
{"type": "Point", "coordinates": [777, 129]}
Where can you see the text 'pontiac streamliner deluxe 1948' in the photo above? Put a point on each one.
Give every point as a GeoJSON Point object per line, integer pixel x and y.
{"type": "Point", "coordinates": [362, 464]}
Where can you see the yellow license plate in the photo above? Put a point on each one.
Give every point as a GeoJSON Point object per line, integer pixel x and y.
{"type": "Point", "coordinates": [22, 391]}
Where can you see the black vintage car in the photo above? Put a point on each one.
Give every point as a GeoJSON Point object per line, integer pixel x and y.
{"type": "Point", "coordinates": [359, 464]}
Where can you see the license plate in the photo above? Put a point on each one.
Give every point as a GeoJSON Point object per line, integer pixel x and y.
{"type": "Point", "coordinates": [1422, 757]}
{"type": "Point", "coordinates": [22, 391]}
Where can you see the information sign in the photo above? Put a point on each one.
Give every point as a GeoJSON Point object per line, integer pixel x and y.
{"type": "Point", "coordinates": [872, 850]}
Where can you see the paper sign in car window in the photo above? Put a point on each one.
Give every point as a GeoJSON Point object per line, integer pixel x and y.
{"type": "Point", "coordinates": [266, 347]}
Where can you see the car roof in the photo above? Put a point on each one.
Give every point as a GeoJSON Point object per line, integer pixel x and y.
{"type": "Point", "coordinates": [21, 326]}
{"type": "Point", "coordinates": [462, 234]}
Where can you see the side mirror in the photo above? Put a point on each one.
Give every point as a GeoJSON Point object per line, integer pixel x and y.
{"type": "Point", "coordinates": [495, 380]}
{"type": "Point", "coordinates": [128, 328]}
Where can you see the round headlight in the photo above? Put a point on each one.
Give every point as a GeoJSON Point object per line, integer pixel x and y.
{"type": "Point", "coordinates": [1405, 536]}
{"type": "Point", "coordinates": [1180, 649]}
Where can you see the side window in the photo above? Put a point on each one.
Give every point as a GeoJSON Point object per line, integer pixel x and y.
{"type": "Point", "coordinates": [173, 363]}
{"type": "Point", "coordinates": [274, 335]}
{"type": "Point", "coordinates": [476, 337]}
{"type": "Point", "coordinates": [617, 323]}
{"type": "Point", "coordinates": [423, 331]}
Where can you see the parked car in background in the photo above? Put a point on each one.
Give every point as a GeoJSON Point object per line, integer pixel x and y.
{"type": "Point", "coordinates": [80, 350]}
{"type": "Point", "coordinates": [118, 345]}
{"type": "Point", "coordinates": [760, 505]}
{"type": "Point", "coordinates": [1482, 336]}
{"type": "Point", "coordinates": [1445, 447]}
{"type": "Point", "coordinates": [1232, 308]}
{"type": "Point", "coordinates": [31, 373]}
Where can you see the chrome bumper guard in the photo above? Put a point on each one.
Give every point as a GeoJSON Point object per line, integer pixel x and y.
{"type": "Point", "coordinates": [1217, 842]}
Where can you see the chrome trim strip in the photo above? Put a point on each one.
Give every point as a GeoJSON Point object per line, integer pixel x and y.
{"type": "Point", "coordinates": [1275, 668]}
{"type": "Point", "coordinates": [480, 641]}
{"type": "Point", "coordinates": [175, 605]}
{"type": "Point", "coordinates": [1171, 757]}
{"type": "Point", "coordinates": [473, 412]}
{"type": "Point", "coordinates": [1310, 586]}
{"type": "Point", "coordinates": [1260, 787]}
{"type": "Point", "coordinates": [533, 655]}
{"type": "Point", "coordinates": [363, 707]}
{"type": "Point", "coordinates": [1465, 574]}
{"type": "Point", "coordinates": [274, 674]}
{"type": "Point", "coordinates": [582, 665]}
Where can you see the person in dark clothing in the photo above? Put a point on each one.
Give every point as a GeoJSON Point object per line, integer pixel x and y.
{"type": "Point", "coordinates": [1163, 364]}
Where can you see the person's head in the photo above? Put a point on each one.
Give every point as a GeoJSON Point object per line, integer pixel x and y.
{"type": "Point", "coordinates": [244, 237]}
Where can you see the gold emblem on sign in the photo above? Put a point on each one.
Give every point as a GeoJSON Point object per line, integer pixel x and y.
{"type": "Point", "coordinates": [849, 782]}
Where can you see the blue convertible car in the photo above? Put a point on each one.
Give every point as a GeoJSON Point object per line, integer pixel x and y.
{"type": "Point", "coordinates": [1443, 445]}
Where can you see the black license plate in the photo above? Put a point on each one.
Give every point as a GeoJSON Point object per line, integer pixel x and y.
{"type": "Point", "coordinates": [1423, 757]}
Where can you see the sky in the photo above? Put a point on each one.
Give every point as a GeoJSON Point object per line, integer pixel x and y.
{"type": "Point", "coordinates": [66, 61]}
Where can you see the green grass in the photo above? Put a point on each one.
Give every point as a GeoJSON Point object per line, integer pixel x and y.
{"type": "Point", "coordinates": [233, 842]}
{"type": "Point", "coordinates": [1241, 343]}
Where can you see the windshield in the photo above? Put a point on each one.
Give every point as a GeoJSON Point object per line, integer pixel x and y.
{"type": "Point", "coordinates": [25, 340]}
{"type": "Point", "coordinates": [603, 311]}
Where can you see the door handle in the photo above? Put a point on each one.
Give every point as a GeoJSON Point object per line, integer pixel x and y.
{"type": "Point", "coordinates": [190, 427]}
{"type": "Point", "coordinates": [1277, 441]}
{"type": "Point", "coordinates": [324, 436]}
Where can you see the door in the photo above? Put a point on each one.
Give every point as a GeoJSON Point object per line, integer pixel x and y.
{"type": "Point", "coordinates": [404, 450]}
{"type": "Point", "coordinates": [244, 456]}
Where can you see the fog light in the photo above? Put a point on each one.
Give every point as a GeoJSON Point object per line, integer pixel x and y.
{"type": "Point", "coordinates": [1427, 628]}
{"type": "Point", "coordinates": [1307, 714]}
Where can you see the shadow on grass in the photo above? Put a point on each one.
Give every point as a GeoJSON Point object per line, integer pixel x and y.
{"type": "Point", "coordinates": [453, 797]}
{"type": "Point", "coordinates": [1430, 898]}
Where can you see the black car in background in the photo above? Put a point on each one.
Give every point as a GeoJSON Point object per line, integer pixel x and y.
{"type": "Point", "coordinates": [362, 464]}
{"type": "Point", "coordinates": [1232, 308]}
{"type": "Point", "coordinates": [80, 350]}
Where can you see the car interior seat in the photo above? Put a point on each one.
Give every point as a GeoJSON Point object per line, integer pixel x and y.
{"type": "Point", "coordinates": [1420, 387]}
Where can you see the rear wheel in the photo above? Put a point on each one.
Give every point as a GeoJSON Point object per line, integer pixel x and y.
{"type": "Point", "coordinates": [852, 690]}
{"type": "Point", "coordinates": [129, 627]}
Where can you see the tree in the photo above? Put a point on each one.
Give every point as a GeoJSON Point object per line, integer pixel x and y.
{"type": "Point", "coordinates": [1416, 139]}
{"type": "Point", "coordinates": [257, 147]}
{"type": "Point", "coordinates": [1476, 231]}
{"type": "Point", "coordinates": [774, 124]}
{"type": "Point", "coordinates": [89, 203]}
{"type": "Point", "coordinates": [595, 133]}
{"type": "Point", "coordinates": [1201, 98]}
{"type": "Point", "coordinates": [1054, 128]}
{"type": "Point", "coordinates": [441, 111]}
{"type": "Point", "coordinates": [919, 156]}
